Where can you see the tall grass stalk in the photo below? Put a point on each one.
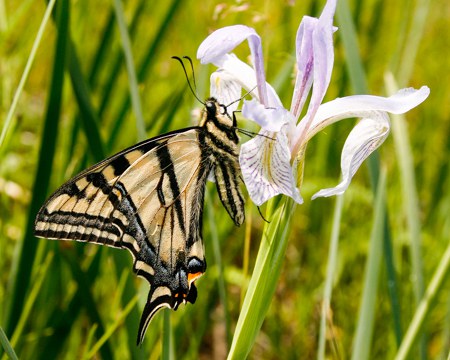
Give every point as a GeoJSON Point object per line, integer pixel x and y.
{"type": "Point", "coordinates": [112, 328]}
{"type": "Point", "coordinates": [219, 264]}
{"type": "Point", "coordinates": [425, 306]}
{"type": "Point", "coordinates": [26, 71]}
{"type": "Point", "coordinates": [6, 345]}
{"type": "Point", "coordinates": [365, 325]}
{"type": "Point", "coordinates": [331, 270]}
{"type": "Point", "coordinates": [132, 78]}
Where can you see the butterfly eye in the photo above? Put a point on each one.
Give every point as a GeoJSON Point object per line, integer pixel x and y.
{"type": "Point", "coordinates": [211, 108]}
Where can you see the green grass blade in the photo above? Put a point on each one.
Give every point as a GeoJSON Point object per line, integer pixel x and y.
{"type": "Point", "coordinates": [62, 321]}
{"type": "Point", "coordinates": [132, 79]}
{"type": "Point", "coordinates": [218, 261]}
{"type": "Point", "coordinates": [347, 33]}
{"type": "Point", "coordinates": [365, 327]}
{"type": "Point", "coordinates": [7, 345]}
{"type": "Point", "coordinates": [88, 117]}
{"type": "Point", "coordinates": [87, 298]}
{"type": "Point", "coordinates": [38, 279]}
{"type": "Point", "coordinates": [425, 306]}
{"type": "Point", "coordinates": [331, 270]}
{"type": "Point", "coordinates": [101, 55]}
{"type": "Point", "coordinates": [112, 328]}
{"type": "Point", "coordinates": [21, 279]}
{"type": "Point", "coordinates": [168, 350]}
{"type": "Point", "coordinates": [26, 71]}
{"type": "Point", "coordinates": [264, 279]}
{"type": "Point", "coordinates": [116, 60]}
{"type": "Point", "coordinates": [412, 41]}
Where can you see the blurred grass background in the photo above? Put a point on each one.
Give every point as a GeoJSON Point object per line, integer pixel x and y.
{"type": "Point", "coordinates": [375, 251]}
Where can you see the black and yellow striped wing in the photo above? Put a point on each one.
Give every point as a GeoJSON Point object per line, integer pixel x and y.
{"type": "Point", "coordinates": [147, 199]}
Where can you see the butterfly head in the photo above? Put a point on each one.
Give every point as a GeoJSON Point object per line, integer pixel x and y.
{"type": "Point", "coordinates": [218, 113]}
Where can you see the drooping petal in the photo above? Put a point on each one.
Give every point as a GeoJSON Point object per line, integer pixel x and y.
{"type": "Point", "coordinates": [224, 40]}
{"type": "Point", "coordinates": [357, 105]}
{"type": "Point", "coordinates": [266, 168]}
{"type": "Point", "coordinates": [270, 119]}
{"type": "Point", "coordinates": [364, 139]}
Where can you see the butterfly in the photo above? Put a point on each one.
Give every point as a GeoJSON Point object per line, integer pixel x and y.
{"type": "Point", "coordinates": [149, 200]}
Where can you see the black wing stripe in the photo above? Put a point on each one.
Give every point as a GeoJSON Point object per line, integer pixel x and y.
{"type": "Point", "coordinates": [120, 164]}
{"type": "Point", "coordinates": [167, 167]}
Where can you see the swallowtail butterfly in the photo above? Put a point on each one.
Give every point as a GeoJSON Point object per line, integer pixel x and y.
{"type": "Point", "coordinates": [149, 200]}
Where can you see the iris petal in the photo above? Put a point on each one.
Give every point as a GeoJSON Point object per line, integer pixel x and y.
{"type": "Point", "coordinates": [266, 168]}
{"type": "Point", "coordinates": [245, 75]}
{"type": "Point", "coordinates": [225, 89]}
{"type": "Point", "coordinates": [223, 41]}
{"type": "Point", "coordinates": [214, 48]}
{"type": "Point", "coordinates": [364, 139]}
{"type": "Point", "coordinates": [305, 57]}
{"type": "Point", "coordinates": [270, 119]}
{"type": "Point", "coordinates": [357, 105]}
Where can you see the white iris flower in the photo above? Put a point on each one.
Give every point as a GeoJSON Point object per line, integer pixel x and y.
{"type": "Point", "coordinates": [273, 164]}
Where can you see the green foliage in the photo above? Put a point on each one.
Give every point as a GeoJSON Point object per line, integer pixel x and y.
{"type": "Point", "coordinates": [289, 289]}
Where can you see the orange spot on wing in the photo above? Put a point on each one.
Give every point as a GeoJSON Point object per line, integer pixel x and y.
{"type": "Point", "coordinates": [194, 276]}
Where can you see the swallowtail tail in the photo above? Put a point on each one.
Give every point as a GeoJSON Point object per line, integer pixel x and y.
{"type": "Point", "coordinates": [149, 199]}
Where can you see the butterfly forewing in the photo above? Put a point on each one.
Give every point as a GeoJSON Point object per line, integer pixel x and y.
{"type": "Point", "coordinates": [148, 199]}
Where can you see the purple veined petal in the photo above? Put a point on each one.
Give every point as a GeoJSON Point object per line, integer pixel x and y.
{"type": "Point", "coordinates": [226, 90]}
{"type": "Point", "coordinates": [304, 53]}
{"type": "Point", "coordinates": [266, 168]}
{"type": "Point", "coordinates": [323, 58]}
{"type": "Point", "coordinates": [270, 119]}
{"type": "Point", "coordinates": [323, 55]}
{"type": "Point", "coordinates": [357, 106]}
{"type": "Point", "coordinates": [364, 139]}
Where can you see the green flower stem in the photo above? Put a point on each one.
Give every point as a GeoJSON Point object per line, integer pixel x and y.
{"type": "Point", "coordinates": [264, 279]}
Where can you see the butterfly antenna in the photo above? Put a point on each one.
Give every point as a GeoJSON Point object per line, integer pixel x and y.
{"type": "Point", "coordinates": [192, 70]}
{"type": "Point", "coordinates": [252, 134]}
{"type": "Point", "coordinates": [242, 97]}
{"type": "Point", "coordinates": [187, 77]}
